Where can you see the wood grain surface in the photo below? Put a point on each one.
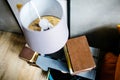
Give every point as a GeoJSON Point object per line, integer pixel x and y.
{"type": "Point", "coordinates": [11, 66]}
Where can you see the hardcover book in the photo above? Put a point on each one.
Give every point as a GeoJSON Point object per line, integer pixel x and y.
{"type": "Point", "coordinates": [78, 55]}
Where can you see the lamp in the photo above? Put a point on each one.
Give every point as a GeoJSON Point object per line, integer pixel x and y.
{"type": "Point", "coordinates": [49, 41]}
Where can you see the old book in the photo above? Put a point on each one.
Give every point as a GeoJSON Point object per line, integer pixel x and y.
{"type": "Point", "coordinates": [78, 55]}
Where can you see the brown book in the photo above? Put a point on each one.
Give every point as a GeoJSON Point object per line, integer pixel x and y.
{"type": "Point", "coordinates": [78, 55]}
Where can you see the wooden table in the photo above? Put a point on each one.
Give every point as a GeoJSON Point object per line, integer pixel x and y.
{"type": "Point", "coordinates": [11, 66]}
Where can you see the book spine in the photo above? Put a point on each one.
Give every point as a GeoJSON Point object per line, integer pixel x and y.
{"type": "Point", "coordinates": [68, 59]}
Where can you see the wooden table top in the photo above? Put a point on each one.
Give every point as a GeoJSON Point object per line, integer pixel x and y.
{"type": "Point", "coordinates": [11, 66]}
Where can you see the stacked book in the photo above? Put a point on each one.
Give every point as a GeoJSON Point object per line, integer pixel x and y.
{"type": "Point", "coordinates": [78, 55]}
{"type": "Point", "coordinates": [75, 60]}
{"type": "Point", "coordinates": [80, 59]}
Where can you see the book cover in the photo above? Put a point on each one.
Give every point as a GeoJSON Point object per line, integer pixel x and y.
{"type": "Point", "coordinates": [78, 55]}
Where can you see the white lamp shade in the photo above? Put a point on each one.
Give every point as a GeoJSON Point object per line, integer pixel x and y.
{"type": "Point", "coordinates": [52, 40]}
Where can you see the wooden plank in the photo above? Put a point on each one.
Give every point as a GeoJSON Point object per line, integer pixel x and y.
{"type": "Point", "coordinates": [11, 66]}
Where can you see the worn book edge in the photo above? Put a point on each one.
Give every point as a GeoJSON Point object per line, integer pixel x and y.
{"type": "Point", "coordinates": [70, 65]}
{"type": "Point", "coordinates": [68, 60]}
